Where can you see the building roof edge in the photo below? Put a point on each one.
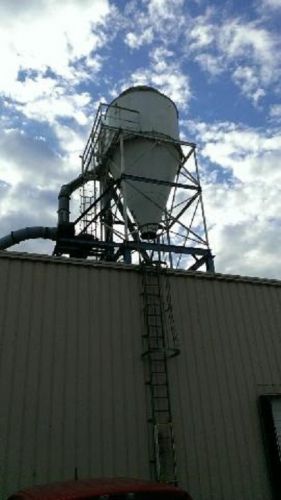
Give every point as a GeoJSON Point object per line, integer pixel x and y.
{"type": "Point", "coordinates": [136, 268]}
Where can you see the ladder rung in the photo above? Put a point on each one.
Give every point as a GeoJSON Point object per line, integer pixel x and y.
{"type": "Point", "coordinates": [155, 337]}
{"type": "Point", "coordinates": [154, 350]}
{"type": "Point", "coordinates": [157, 386]}
{"type": "Point", "coordinates": [151, 333]}
{"type": "Point", "coordinates": [152, 337]}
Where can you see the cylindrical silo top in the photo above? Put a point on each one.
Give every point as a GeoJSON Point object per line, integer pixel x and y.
{"type": "Point", "coordinates": [157, 113]}
{"type": "Point", "coordinates": [144, 88]}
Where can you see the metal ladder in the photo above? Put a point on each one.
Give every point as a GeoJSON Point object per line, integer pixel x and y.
{"type": "Point", "coordinates": [159, 344]}
{"type": "Point", "coordinates": [87, 196]}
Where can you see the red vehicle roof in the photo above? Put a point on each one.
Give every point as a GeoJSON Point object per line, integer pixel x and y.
{"type": "Point", "coordinates": [83, 489]}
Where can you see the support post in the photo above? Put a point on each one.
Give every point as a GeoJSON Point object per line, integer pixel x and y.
{"type": "Point", "coordinates": [123, 188]}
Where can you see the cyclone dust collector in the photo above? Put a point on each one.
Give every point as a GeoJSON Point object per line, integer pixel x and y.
{"type": "Point", "coordinates": [141, 197]}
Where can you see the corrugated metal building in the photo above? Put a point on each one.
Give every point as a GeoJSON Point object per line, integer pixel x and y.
{"type": "Point", "coordinates": [72, 391]}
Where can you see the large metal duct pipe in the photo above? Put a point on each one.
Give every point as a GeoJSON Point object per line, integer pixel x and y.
{"type": "Point", "coordinates": [50, 233]}
{"type": "Point", "coordinates": [28, 233]}
{"type": "Point", "coordinates": [64, 197]}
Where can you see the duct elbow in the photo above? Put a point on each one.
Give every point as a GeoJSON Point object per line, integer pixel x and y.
{"type": "Point", "coordinates": [28, 233]}
{"type": "Point", "coordinates": [65, 191]}
{"type": "Point", "coordinates": [64, 198]}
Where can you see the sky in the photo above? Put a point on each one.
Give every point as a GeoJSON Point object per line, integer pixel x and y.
{"type": "Point", "coordinates": [218, 60]}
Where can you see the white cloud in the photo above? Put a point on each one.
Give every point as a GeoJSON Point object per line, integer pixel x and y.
{"type": "Point", "coordinates": [250, 154]}
{"type": "Point", "coordinates": [27, 159]}
{"type": "Point", "coordinates": [161, 21]}
{"type": "Point", "coordinates": [245, 49]}
{"type": "Point", "coordinates": [164, 9]}
{"type": "Point", "coordinates": [72, 143]}
{"type": "Point", "coordinates": [275, 111]}
{"type": "Point", "coordinates": [211, 64]}
{"type": "Point", "coordinates": [49, 35]}
{"type": "Point", "coordinates": [271, 4]}
{"type": "Point", "coordinates": [31, 89]}
{"type": "Point", "coordinates": [135, 41]}
{"type": "Point", "coordinates": [248, 249]}
{"type": "Point", "coordinates": [202, 34]}
{"type": "Point", "coordinates": [242, 199]}
{"type": "Point", "coordinates": [31, 173]}
{"type": "Point", "coordinates": [153, 20]}
{"type": "Point", "coordinates": [166, 75]}
{"type": "Point", "coordinates": [240, 39]}
{"type": "Point", "coordinates": [48, 107]}
{"type": "Point", "coordinates": [48, 48]}
{"type": "Point", "coordinates": [246, 77]}
{"type": "Point", "coordinates": [27, 205]}
{"type": "Point", "coordinates": [171, 82]}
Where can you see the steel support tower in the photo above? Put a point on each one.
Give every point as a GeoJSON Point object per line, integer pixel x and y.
{"type": "Point", "coordinates": [106, 230]}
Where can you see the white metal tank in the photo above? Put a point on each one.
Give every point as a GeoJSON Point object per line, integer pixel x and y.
{"type": "Point", "coordinates": [147, 117]}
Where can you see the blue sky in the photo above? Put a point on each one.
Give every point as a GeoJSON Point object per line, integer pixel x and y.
{"type": "Point", "coordinates": [218, 60]}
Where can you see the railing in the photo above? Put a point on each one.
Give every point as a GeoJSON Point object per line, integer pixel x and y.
{"type": "Point", "coordinates": [109, 121]}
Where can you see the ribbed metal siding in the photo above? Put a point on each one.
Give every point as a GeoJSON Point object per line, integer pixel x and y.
{"type": "Point", "coordinates": [71, 380]}
{"type": "Point", "coordinates": [72, 390]}
{"type": "Point", "coordinates": [231, 349]}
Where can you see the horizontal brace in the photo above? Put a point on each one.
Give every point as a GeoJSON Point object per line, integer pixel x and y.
{"type": "Point", "coordinates": [132, 245]}
{"type": "Point", "coordinates": [161, 182]}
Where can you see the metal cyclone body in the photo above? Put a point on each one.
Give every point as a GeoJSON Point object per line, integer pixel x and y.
{"type": "Point", "coordinates": [149, 121]}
